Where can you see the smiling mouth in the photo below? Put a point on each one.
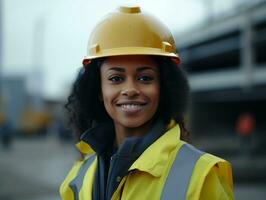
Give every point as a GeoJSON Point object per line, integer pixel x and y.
{"type": "Point", "coordinates": [131, 107]}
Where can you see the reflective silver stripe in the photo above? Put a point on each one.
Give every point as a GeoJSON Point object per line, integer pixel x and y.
{"type": "Point", "coordinates": [177, 181]}
{"type": "Point", "coordinates": [76, 183]}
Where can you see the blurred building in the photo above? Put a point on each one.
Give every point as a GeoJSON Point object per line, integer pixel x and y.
{"type": "Point", "coordinates": [18, 107]}
{"type": "Point", "coordinates": [226, 63]}
{"type": "Point", "coordinates": [13, 98]}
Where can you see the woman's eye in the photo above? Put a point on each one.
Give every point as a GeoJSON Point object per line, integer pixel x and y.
{"type": "Point", "coordinates": [115, 79]}
{"type": "Point", "coordinates": [145, 78]}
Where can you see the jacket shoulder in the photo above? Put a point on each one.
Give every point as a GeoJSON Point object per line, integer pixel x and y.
{"type": "Point", "coordinates": [206, 165]}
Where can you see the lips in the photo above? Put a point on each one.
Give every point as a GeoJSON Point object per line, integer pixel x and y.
{"type": "Point", "coordinates": [131, 106]}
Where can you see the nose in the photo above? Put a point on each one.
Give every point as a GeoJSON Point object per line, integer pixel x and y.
{"type": "Point", "coordinates": [130, 90]}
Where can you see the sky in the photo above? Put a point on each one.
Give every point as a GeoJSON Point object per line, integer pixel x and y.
{"type": "Point", "coordinates": [46, 41]}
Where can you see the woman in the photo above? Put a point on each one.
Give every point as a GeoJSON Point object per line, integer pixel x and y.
{"type": "Point", "coordinates": [127, 108]}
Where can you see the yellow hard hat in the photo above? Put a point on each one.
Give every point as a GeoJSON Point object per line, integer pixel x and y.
{"type": "Point", "coordinates": [129, 31]}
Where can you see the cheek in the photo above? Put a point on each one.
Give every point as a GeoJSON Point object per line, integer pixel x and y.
{"type": "Point", "coordinates": [106, 91]}
{"type": "Point", "coordinates": [107, 102]}
{"type": "Point", "coordinates": [108, 96]}
{"type": "Point", "coordinates": [153, 94]}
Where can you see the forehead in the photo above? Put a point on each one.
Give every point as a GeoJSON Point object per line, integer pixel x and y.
{"type": "Point", "coordinates": [129, 62]}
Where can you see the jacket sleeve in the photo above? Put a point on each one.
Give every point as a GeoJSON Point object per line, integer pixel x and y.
{"type": "Point", "coordinates": [216, 187]}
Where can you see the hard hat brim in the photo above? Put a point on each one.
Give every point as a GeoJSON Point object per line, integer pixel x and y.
{"type": "Point", "coordinates": [131, 51]}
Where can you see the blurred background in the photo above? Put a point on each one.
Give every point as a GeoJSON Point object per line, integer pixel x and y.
{"type": "Point", "coordinates": [42, 43]}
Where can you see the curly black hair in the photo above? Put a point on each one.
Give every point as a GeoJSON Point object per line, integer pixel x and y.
{"type": "Point", "coordinates": [85, 109]}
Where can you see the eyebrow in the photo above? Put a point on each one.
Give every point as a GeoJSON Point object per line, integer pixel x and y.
{"type": "Point", "coordinates": [120, 69]}
{"type": "Point", "coordinates": [146, 68]}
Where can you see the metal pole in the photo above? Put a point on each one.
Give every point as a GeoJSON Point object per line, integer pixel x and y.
{"type": "Point", "coordinates": [1, 55]}
{"type": "Point", "coordinates": [247, 54]}
{"type": "Point", "coordinates": [38, 53]}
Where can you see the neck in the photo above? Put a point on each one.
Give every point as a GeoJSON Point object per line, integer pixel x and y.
{"type": "Point", "coordinates": [123, 132]}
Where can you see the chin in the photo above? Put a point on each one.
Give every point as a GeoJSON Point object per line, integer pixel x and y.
{"type": "Point", "coordinates": [134, 123]}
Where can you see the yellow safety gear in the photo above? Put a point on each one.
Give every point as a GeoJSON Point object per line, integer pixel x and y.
{"type": "Point", "coordinates": [211, 177]}
{"type": "Point", "coordinates": [129, 31]}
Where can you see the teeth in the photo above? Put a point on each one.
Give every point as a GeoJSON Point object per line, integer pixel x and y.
{"type": "Point", "coordinates": [131, 106]}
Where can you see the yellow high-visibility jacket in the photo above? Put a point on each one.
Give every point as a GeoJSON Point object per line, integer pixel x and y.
{"type": "Point", "coordinates": [211, 178]}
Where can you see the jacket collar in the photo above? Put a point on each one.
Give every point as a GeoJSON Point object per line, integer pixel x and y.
{"type": "Point", "coordinates": [153, 159]}
{"type": "Point", "coordinates": [96, 139]}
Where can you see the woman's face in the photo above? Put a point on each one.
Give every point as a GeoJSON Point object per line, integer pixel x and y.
{"type": "Point", "coordinates": [130, 89]}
